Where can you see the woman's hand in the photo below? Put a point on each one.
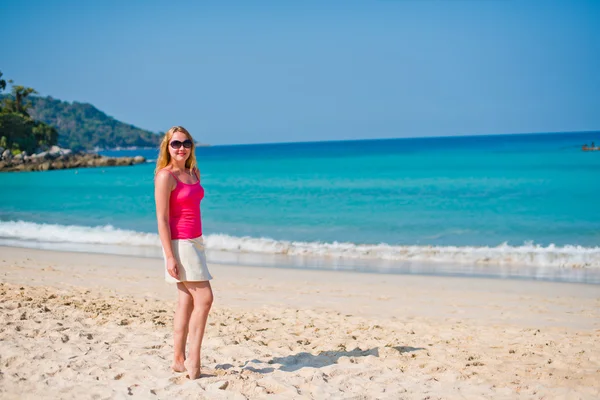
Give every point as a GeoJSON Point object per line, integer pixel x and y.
{"type": "Point", "coordinates": [172, 267]}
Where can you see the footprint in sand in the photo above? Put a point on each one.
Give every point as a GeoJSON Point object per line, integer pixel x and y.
{"type": "Point", "coordinates": [179, 380]}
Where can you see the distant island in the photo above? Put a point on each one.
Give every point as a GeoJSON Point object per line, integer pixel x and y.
{"type": "Point", "coordinates": [28, 122]}
{"type": "Point", "coordinates": [82, 126]}
{"type": "Point", "coordinates": [31, 127]}
{"type": "Point", "coordinates": [41, 133]}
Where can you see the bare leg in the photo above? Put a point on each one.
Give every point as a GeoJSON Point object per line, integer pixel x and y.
{"type": "Point", "coordinates": [185, 305]}
{"type": "Point", "coordinates": [202, 297]}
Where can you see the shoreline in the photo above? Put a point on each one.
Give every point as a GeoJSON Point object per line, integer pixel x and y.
{"type": "Point", "coordinates": [64, 159]}
{"type": "Point", "coordinates": [584, 275]}
{"type": "Point", "coordinates": [78, 269]}
{"type": "Point", "coordinates": [82, 325]}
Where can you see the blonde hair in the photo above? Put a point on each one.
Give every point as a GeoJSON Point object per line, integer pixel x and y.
{"type": "Point", "coordinates": [164, 157]}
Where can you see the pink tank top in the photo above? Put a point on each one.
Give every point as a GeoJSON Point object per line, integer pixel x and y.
{"type": "Point", "coordinates": [184, 210]}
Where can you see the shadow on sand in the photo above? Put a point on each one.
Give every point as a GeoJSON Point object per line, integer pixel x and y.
{"type": "Point", "coordinates": [301, 360]}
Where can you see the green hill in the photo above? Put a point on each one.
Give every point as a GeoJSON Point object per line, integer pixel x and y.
{"type": "Point", "coordinates": [82, 126]}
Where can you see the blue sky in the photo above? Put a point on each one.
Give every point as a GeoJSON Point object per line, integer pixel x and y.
{"type": "Point", "coordinates": [280, 71]}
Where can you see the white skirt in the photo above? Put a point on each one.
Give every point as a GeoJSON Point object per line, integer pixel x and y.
{"type": "Point", "coordinates": [191, 258]}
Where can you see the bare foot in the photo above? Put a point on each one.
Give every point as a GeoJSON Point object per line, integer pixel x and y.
{"type": "Point", "coordinates": [193, 371]}
{"type": "Point", "coordinates": [178, 366]}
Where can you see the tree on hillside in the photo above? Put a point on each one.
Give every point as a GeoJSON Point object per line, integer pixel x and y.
{"type": "Point", "coordinates": [2, 87]}
{"type": "Point", "coordinates": [2, 83]}
{"type": "Point", "coordinates": [18, 131]}
{"type": "Point", "coordinates": [19, 104]}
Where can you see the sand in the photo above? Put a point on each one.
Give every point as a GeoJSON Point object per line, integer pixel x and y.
{"type": "Point", "coordinates": [78, 325]}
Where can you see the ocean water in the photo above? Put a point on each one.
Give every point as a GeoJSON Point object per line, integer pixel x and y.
{"type": "Point", "coordinates": [478, 203]}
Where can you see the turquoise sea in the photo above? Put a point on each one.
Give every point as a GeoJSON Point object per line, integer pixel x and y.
{"type": "Point", "coordinates": [504, 205]}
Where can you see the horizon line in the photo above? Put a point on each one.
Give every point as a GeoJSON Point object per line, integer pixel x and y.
{"type": "Point", "coordinates": [404, 138]}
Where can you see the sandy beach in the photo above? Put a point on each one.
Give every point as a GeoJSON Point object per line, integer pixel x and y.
{"type": "Point", "coordinates": [78, 325]}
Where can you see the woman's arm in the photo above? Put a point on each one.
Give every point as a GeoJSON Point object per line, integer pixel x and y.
{"type": "Point", "coordinates": [163, 185]}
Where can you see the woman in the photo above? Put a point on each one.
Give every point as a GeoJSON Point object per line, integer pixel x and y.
{"type": "Point", "coordinates": [178, 194]}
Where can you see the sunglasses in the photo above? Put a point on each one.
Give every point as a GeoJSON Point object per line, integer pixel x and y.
{"type": "Point", "coordinates": [176, 144]}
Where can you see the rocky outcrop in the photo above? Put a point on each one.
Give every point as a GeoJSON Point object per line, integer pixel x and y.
{"type": "Point", "coordinates": [57, 158]}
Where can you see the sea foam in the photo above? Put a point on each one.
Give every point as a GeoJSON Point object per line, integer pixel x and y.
{"type": "Point", "coordinates": [107, 237]}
